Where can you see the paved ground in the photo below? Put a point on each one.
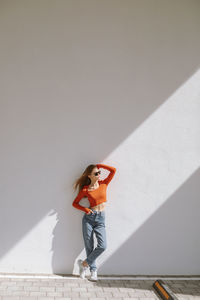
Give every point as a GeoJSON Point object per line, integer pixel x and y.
{"type": "Point", "coordinates": [70, 288]}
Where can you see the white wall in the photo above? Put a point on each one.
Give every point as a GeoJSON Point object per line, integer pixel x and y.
{"type": "Point", "coordinates": [100, 81]}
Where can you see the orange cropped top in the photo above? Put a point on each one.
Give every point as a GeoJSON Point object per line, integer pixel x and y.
{"type": "Point", "coordinates": [98, 195]}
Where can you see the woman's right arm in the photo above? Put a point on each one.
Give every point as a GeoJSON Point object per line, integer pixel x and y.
{"type": "Point", "coordinates": [76, 201]}
{"type": "Point", "coordinates": [112, 170]}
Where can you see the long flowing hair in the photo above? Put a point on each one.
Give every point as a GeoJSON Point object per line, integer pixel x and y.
{"type": "Point", "coordinates": [83, 179]}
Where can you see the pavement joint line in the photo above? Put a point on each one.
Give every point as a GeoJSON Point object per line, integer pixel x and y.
{"type": "Point", "coordinates": [100, 277]}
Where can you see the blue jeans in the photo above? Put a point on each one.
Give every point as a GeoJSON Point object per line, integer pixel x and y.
{"type": "Point", "coordinates": [94, 223]}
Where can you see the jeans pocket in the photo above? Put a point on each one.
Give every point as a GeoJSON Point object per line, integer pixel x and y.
{"type": "Point", "coordinates": [88, 215]}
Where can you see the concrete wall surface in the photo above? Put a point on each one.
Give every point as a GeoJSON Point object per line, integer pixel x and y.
{"type": "Point", "coordinates": [100, 81]}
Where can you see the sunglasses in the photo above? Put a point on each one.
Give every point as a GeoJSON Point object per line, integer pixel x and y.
{"type": "Point", "coordinates": [96, 173]}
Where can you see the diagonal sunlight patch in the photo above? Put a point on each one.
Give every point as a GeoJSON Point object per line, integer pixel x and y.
{"type": "Point", "coordinates": [34, 247]}
{"type": "Point", "coordinates": [152, 163]}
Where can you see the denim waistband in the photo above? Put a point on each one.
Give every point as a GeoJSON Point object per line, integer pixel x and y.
{"type": "Point", "coordinates": [98, 212]}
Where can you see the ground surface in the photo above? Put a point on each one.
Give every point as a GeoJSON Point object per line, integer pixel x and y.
{"type": "Point", "coordinates": [66, 288]}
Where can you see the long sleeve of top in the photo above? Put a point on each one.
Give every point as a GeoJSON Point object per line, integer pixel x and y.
{"type": "Point", "coordinates": [110, 176]}
{"type": "Point", "coordinates": [78, 198]}
{"type": "Point", "coordinates": [98, 195]}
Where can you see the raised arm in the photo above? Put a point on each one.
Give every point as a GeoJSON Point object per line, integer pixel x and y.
{"type": "Point", "coordinates": [110, 176]}
{"type": "Point", "coordinates": [76, 201]}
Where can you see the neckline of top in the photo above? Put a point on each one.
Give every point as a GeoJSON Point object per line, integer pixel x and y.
{"type": "Point", "coordinates": [94, 189]}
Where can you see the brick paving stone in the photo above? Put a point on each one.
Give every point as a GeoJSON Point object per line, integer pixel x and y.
{"type": "Point", "coordinates": [99, 298]}
{"type": "Point", "coordinates": [63, 289]}
{"type": "Point", "coordinates": [32, 279]}
{"type": "Point", "coordinates": [121, 295]}
{"type": "Point", "coordinates": [16, 279]}
{"type": "Point", "coordinates": [80, 289]}
{"type": "Point", "coordinates": [126, 289]}
{"type": "Point", "coordinates": [104, 289]}
{"type": "Point", "coordinates": [32, 288]}
{"type": "Point", "coordinates": [87, 295]}
{"type": "Point", "coordinates": [118, 298]}
{"type": "Point", "coordinates": [104, 294]}
{"type": "Point", "coordinates": [45, 279]}
{"type": "Point", "coordinates": [136, 294]}
{"type": "Point", "coordinates": [132, 298]}
{"type": "Point", "coordinates": [112, 289]}
{"type": "Point", "coordinates": [190, 285]}
{"type": "Point", "coordinates": [39, 294]}
{"type": "Point", "coordinates": [46, 298]}
{"type": "Point", "coordinates": [54, 294]}
{"type": "Point", "coordinates": [132, 284]}
{"type": "Point", "coordinates": [10, 298]}
{"type": "Point", "coordinates": [117, 284]}
{"type": "Point", "coordinates": [80, 298]}
{"type": "Point", "coordinates": [6, 293]}
{"type": "Point", "coordinates": [148, 293]}
{"type": "Point", "coordinates": [93, 289]}
{"type": "Point", "coordinates": [47, 289]}
{"type": "Point", "coordinates": [71, 294]}
{"type": "Point", "coordinates": [63, 298]}
{"type": "Point", "coordinates": [99, 283]}
{"type": "Point", "coordinates": [88, 284]}
{"type": "Point", "coordinates": [8, 283]}
{"type": "Point", "coordinates": [15, 288]}
{"type": "Point", "coordinates": [19, 293]}
{"type": "Point", "coordinates": [28, 298]}
{"type": "Point", "coordinates": [65, 279]}
{"type": "Point", "coordinates": [60, 284]}
{"type": "Point", "coordinates": [71, 284]}
{"type": "Point", "coordinates": [40, 283]}
{"type": "Point", "coordinates": [149, 298]}
{"type": "Point", "coordinates": [24, 283]}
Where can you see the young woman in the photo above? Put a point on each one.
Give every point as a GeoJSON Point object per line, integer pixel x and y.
{"type": "Point", "coordinates": [93, 221]}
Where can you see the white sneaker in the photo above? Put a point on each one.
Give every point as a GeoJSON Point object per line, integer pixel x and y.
{"type": "Point", "coordinates": [82, 269]}
{"type": "Point", "coordinates": [94, 275]}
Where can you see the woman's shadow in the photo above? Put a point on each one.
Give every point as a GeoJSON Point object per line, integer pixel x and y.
{"type": "Point", "coordinates": [67, 242]}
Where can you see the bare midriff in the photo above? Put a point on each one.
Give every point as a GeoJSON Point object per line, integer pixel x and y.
{"type": "Point", "coordinates": [99, 207]}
